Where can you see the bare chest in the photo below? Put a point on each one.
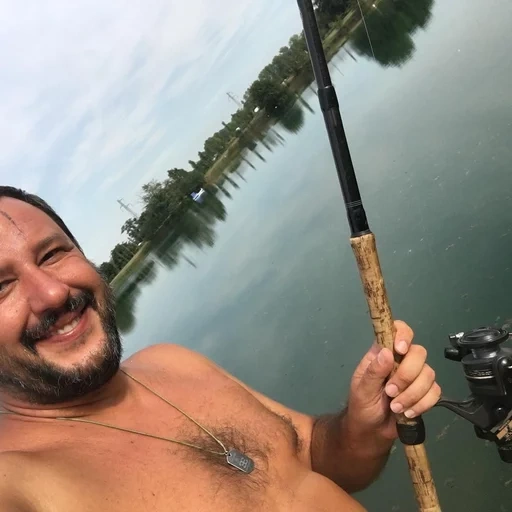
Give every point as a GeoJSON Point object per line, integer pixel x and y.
{"type": "Point", "coordinates": [94, 467]}
{"type": "Point", "coordinates": [85, 467]}
{"type": "Point", "coordinates": [140, 477]}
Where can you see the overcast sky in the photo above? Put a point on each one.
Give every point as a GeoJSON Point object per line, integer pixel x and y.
{"type": "Point", "coordinates": [98, 98]}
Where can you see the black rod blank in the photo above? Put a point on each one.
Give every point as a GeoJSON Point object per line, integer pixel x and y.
{"type": "Point", "coordinates": [332, 117]}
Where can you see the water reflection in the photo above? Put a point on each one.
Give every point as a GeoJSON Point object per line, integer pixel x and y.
{"type": "Point", "coordinates": [293, 119]}
{"type": "Point", "coordinates": [126, 299]}
{"type": "Point", "coordinates": [172, 218]}
{"type": "Point", "coordinates": [279, 302]}
{"type": "Point", "coordinates": [391, 25]}
{"type": "Point", "coordinates": [196, 227]}
{"type": "Point", "coordinates": [274, 138]}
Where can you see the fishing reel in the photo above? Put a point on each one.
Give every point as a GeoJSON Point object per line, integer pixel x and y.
{"type": "Point", "coordinates": [488, 370]}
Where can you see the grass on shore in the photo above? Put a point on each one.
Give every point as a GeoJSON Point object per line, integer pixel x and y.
{"type": "Point", "coordinates": [223, 162]}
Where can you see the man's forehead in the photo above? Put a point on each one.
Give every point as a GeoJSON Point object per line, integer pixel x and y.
{"type": "Point", "coordinates": [20, 218]}
{"type": "Point", "coordinates": [5, 215]}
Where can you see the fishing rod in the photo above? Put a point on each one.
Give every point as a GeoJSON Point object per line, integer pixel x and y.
{"type": "Point", "coordinates": [411, 431]}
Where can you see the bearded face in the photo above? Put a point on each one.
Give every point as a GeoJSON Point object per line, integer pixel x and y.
{"type": "Point", "coordinates": [58, 333]}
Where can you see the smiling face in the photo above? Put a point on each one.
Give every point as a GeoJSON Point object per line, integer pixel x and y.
{"type": "Point", "coordinates": [58, 334]}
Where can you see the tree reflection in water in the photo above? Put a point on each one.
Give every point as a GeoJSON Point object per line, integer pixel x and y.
{"type": "Point", "coordinates": [391, 25]}
{"type": "Point", "coordinates": [196, 228]}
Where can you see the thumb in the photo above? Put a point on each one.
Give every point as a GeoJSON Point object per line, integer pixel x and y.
{"type": "Point", "coordinates": [372, 381]}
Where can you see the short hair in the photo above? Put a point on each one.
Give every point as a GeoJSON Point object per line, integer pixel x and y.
{"type": "Point", "coordinates": [41, 204]}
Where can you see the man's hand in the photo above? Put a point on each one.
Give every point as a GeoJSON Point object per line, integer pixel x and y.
{"type": "Point", "coordinates": [412, 390]}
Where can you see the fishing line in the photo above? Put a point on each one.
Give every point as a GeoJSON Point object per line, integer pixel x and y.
{"type": "Point", "coordinates": [366, 28]}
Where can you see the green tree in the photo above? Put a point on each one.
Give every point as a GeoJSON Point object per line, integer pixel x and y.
{"type": "Point", "coordinates": [150, 190]}
{"type": "Point", "coordinates": [297, 43]}
{"type": "Point", "coordinates": [270, 72]}
{"type": "Point", "coordinates": [297, 54]}
{"type": "Point", "coordinates": [132, 229]}
{"type": "Point", "coordinates": [185, 182]}
{"type": "Point", "coordinates": [243, 116]}
{"type": "Point", "coordinates": [193, 164]}
{"type": "Point", "coordinates": [328, 11]}
{"type": "Point", "coordinates": [108, 270]}
{"type": "Point", "coordinates": [121, 254]}
{"type": "Point", "coordinates": [215, 145]}
{"type": "Point", "coordinates": [157, 208]}
{"type": "Point", "coordinates": [272, 97]}
{"type": "Point", "coordinates": [332, 8]}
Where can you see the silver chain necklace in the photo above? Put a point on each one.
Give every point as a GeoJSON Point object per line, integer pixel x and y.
{"type": "Point", "coordinates": [234, 457]}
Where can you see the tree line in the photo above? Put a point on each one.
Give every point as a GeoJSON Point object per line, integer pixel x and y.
{"type": "Point", "coordinates": [165, 202]}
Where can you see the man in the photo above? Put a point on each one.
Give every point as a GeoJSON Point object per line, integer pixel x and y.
{"type": "Point", "coordinates": [81, 434]}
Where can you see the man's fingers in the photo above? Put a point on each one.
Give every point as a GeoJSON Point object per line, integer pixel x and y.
{"type": "Point", "coordinates": [372, 381]}
{"type": "Point", "coordinates": [367, 359]}
{"type": "Point", "coordinates": [415, 392]}
{"type": "Point", "coordinates": [403, 340]}
{"type": "Point", "coordinates": [408, 371]}
{"type": "Point", "coordinates": [373, 372]}
{"type": "Point", "coordinates": [403, 337]}
{"type": "Point", "coordinates": [426, 403]}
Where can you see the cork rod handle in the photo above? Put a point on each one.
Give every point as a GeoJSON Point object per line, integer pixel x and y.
{"type": "Point", "coordinates": [367, 258]}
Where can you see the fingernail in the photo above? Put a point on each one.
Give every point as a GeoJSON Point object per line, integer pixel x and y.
{"type": "Point", "coordinates": [410, 413]}
{"type": "Point", "coordinates": [396, 407]}
{"type": "Point", "coordinates": [401, 347]}
{"type": "Point", "coordinates": [374, 350]}
{"type": "Point", "coordinates": [391, 390]}
{"type": "Point", "coordinates": [380, 357]}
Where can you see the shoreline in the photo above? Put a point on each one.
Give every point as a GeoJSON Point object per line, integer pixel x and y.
{"type": "Point", "coordinates": [333, 42]}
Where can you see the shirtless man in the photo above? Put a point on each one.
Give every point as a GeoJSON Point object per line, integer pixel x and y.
{"type": "Point", "coordinates": [60, 358]}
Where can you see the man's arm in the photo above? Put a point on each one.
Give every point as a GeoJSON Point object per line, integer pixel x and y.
{"type": "Point", "coordinates": [351, 459]}
{"type": "Point", "coordinates": [352, 448]}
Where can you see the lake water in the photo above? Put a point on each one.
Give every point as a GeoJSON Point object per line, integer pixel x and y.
{"type": "Point", "coordinates": [276, 299]}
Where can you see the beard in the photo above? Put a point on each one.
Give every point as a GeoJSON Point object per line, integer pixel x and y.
{"type": "Point", "coordinates": [39, 381]}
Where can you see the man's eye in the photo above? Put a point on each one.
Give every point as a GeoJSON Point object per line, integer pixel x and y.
{"type": "Point", "coordinates": [4, 285]}
{"type": "Point", "coordinates": [50, 254]}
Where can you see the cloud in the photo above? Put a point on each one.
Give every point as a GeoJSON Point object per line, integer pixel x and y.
{"type": "Point", "coordinates": [98, 96]}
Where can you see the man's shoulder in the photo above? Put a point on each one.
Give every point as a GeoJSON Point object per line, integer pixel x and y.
{"type": "Point", "coordinates": [169, 355]}
{"type": "Point", "coordinates": [168, 359]}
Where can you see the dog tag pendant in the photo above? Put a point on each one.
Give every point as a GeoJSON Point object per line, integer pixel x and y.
{"type": "Point", "coordinates": [239, 461]}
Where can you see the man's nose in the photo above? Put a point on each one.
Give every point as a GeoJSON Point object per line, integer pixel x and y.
{"type": "Point", "coordinates": [45, 291]}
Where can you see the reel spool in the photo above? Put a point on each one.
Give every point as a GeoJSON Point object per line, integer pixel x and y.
{"type": "Point", "coordinates": [488, 370]}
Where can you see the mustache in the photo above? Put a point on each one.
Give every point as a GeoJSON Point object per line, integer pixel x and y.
{"type": "Point", "coordinates": [79, 302]}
